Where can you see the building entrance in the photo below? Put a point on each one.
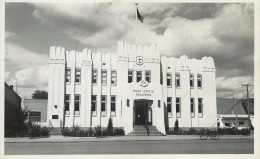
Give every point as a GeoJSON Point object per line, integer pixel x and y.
{"type": "Point", "coordinates": [142, 113]}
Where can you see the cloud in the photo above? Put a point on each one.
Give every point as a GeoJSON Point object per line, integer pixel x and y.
{"type": "Point", "coordinates": [9, 35]}
{"type": "Point", "coordinates": [227, 86]}
{"type": "Point", "coordinates": [223, 31]}
{"type": "Point", "coordinates": [18, 57]}
{"type": "Point", "coordinates": [30, 79]}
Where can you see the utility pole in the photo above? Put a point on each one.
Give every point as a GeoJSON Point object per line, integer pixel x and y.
{"type": "Point", "coordinates": [236, 112]}
{"type": "Point", "coordinates": [248, 105]}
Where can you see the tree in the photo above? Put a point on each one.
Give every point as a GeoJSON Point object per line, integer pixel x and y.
{"type": "Point", "coordinates": [40, 94]}
{"type": "Point", "coordinates": [176, 126]}
{"type": "Point", "coordinates": [110, 127]}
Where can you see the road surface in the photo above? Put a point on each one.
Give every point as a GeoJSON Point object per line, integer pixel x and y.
{"type": "Point", "coordinates": [234, 146]}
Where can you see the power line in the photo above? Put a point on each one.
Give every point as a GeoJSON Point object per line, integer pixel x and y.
{"type": "Point", "coordinates": [248, 105]}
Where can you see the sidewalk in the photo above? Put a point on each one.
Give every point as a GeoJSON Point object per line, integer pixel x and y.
{"type": "Point", "coordinates": [119, 138]}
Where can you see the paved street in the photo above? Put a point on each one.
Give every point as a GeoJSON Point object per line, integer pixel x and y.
{"type": "Point", "coordinates": [234, 146]}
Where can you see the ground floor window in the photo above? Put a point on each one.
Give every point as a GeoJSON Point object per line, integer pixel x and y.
{"type": "Point", "coordinates": [77, 104]}
{"type": "Point", "coordinates": [192, 111]}
{"type": "Point", "coordinates": [169, 106]}
{"type": "Point", "coordinates": [67, 104]}
{"type": "Point", "coordinates": [227, 124]}
{"type": "Point", "coordinates": [34, 116]}
{"type": "Point", "coordinates": [200, 107]}
{"type": "Point", "coordinates": [103, 104]}
{"type": "Point", "coordinates": [94, 104]}
{"type": "Point", "coordinates": [113, 105]}
{"type": "Point", "coordinates": [241, 123]}
{"type": "Point", "coordinates": [178, 107]}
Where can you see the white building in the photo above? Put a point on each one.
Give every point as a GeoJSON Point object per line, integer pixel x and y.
{"type": "Point", "coordinates": [133, 86]}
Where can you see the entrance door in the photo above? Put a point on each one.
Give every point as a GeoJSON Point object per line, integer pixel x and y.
{"type": "Point", "coordinates": [142, 113]}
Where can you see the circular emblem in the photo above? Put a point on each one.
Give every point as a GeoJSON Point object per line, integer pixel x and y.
{"type": "Point", "coordinates": [139, 60]}
{"type": "Point", "coordinates": [143, 83]}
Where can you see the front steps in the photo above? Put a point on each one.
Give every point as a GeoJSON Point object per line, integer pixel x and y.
{"type": "Point", "coordinates": [55, 131]}
{"type": "Point", "coordinates": [140, 130]}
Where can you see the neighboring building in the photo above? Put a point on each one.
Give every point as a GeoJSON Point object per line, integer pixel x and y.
{"type": "Point", "coordinates": [12, 107]}
{"type": "Point", "coordinates": [232, 115]}
{"type": "Point", "coordinates": [37, 109]}
{"type": "Point", "coordinates": [134, 86]}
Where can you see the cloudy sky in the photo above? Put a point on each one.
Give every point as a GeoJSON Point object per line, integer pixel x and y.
{"type": "Point", "coordinates": [223, 31]}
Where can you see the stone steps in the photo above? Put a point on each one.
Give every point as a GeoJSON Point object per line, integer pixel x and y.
{"type": "Point", "coordinates": [55, 131]}
{"type": "Point", "coordinates": [142, 131]}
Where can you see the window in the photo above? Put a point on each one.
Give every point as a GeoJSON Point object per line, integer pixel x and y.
{"type": "Point", "coordinates": [130, 76]}
{"type": "Point", "coordinates": [192, 107]}
{"type": "Point", "coordinates": [68, 74]}
{"type": "Point", "coordinates": [178, 107]}
{"type": "Point", "coordinates": [128, 102]}
{"type": "Point", "coordinates": [77, 75]}
{"type": "Point", "coordinates": [177, 80]}
{"type": "Point", "coordinates": [148, 76]}
{"type": "Point", "coordinates": [159, 103]}
{"type": "Point", "coordinates": [200, 107]}
{"type": "Point", "coordinates": [191, 81]}
{"type": "Point", "coordinates": [227, 124]}
{"type": "Point", "coordinates": [34, 116]}
{"type": "Point", "coordinates": [200, 81]}
{"type": "Point", "coordinates": [94, 76]}
{"type": "Point", "coordinates": [241, 123]}
{"type": "Point", "coordinates": [113, 105]}
{"type": "Point", "coordinates": [93, 104]}
{"type": "Point", "coordinates": [55, 116]}
{"type": "Point", "coordinates": [104, 77]}
{"type": "Point", "coordinates": [169, 106]}
{"type": "Point", "coordinates": [161, 78]}
{"type": "Point", "coordinates": [113, 77]}
{"type": "Point", "coordinates": [103, 104]}
{"type": "Point", "coordinates": [138, 76]}
{"type": "Point", "coordinates": [77, 104]}
{"type": "Point", "coordinates": [169, 79]}
{"type": "Point", "coordinates": [67, 104]}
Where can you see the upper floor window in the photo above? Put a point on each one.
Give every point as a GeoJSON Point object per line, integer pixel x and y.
{"type": "Point", "coordinates": [77, 104]}
{"type": "Point", "coordinates": [191, 81]}
{"type": "Point", "coordinates": [177, 80]}
{"type": "Point", "coordinates": [200, 107]}
{"type": "Point", "coordinates": [130, 76]}
{"type": "Point", "coordinates": [104, 77]}
{"type": "Point", "coordinates": [148, 76]}
{"type": "Point", "coordinates": [68, 75]}
{"type": "Point", "coordinates": [94, 76]}
{"type": "Point", "coordinates": [113, 105]}
{"type": "Point", "coordinates": [113, 77]}
{"type": "Point", "coordinates": [178, 106]}
{"type": "Point", "coordinates": [67, 104]}
{"type": "Point", "coordinates": [103, 104]}
{"type": "Point", "coordinates": [199, 80]}
{"type": "Point", "coordinates": [77, 75]}
{"type": "Point", "coordinates": [169, 106]}
{"type": "Point", "coordinates": [93, 104]}
{"type": "Point", "coordinates": [169, 79]}
{"type": "Point", "coordinates": [192, 107]}
{"type": "Point", "coordinates": [138, 76]}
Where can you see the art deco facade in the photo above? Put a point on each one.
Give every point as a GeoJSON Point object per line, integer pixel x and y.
{"type": "Point", "coordinates": [134, 86]}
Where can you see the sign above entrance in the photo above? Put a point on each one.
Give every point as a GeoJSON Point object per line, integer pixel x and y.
{"type": "Point", "coordinates": [143, 83]}
{"type": "Point", "coordinates": [139, 60]}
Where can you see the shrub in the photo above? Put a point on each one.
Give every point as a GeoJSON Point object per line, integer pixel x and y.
{"type": "Point", "coordinates": [81, 133]}
{"type": "Point", "coordinates": [74, 131]}
{"type": "Point", "coordinates": [110, 127]}
{"type": "Point", "coordinates": [105, 132]}
{"type": "Point", "coordinates": [91, 132]}
{"type": "Point", "coordinates": [66, 132]}
{"type": "Point", "coordinates": [44, 131]}
{"type": "Point", "coordinates": [98, 131]}
{"type": "Point", "coordinates": [119, 132]}
{"type": "Point", "coordinates": [34, 131]}
{"type": "Point", "coordinates": [176, 127]}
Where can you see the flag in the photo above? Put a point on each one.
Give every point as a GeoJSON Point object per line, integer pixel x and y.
{"type": "Point", "coordinates": [139, 16]}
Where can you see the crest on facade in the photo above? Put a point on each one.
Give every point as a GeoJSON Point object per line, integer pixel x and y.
{"type": "Point", "coordinates": [139, 60]}
{"type": "Point", "coordinates": [143, 83]}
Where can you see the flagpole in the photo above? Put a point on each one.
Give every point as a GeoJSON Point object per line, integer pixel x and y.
{"type": "Point", "coordinates": [136, 22]}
